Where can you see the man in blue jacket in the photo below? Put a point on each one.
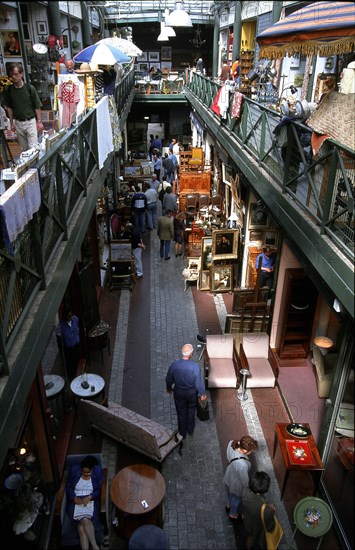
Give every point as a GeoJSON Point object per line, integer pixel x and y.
{"type": "Point", "coordinates": [184, 379]}
{"type": "Point", "coordinates": [69, 328]}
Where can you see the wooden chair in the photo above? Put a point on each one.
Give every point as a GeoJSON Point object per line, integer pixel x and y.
{"type": "Point", "coordinates": [203, 203]}
{"type": "Point", "coordinates": [196, 162]}
{"type": "Point", "coordinates": [191, 204]}
{"type": "Point", "coordinates": [217, 205]}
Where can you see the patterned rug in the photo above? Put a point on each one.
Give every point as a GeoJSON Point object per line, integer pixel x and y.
{"type": "Point", "coordinates": [335, 116]}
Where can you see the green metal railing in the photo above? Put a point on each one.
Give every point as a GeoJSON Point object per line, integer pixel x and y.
{"type": "Point", "coordinates": [321, 185]}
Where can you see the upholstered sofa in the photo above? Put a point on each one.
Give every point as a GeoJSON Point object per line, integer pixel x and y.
{"type": "Point", "coordinates": [220, 363]}
{"type": "Point", "coordinates": [256, 356]}
{"type": "Point", "coordinates": [324, 370]}
{"type": "Point", "coordinates": [131, 429]}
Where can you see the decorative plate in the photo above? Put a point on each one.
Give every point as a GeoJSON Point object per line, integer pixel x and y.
{"type": "Point", "coordinates": [298, 430]}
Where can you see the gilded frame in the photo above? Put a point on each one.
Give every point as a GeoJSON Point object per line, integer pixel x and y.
{"type": "Point", "coordinates": [221, 278]}
{"type": "Point", "coordinates": [225, 244]}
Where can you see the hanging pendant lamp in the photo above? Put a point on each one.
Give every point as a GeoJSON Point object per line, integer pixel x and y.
{"type": "Point", "coordinates": [179, 17]}
{"type": "Point", "coordinates": [163, 37]}
{"type": "Point", "coordinates": [168, 30]}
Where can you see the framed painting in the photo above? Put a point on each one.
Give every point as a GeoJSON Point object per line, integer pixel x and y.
{"type": "Point", "coordinates": [225, 244]}
{"type": "Point", "coordinates": [166, 66]}
{"type": "Point", "coordinates": [166, 53]}
{"type": "Point", "coordinates": [143, 57]}
{"type": "Point", "coordinates": [204, 283]}
{"type": "Point", "coordinates": [206, 251]}
{"type": "Point", "coordinates": [155, 66]}
{"type": "Point", "coordinates": [154, 57]}
{"type": "Point", "coordinates": [65, 40]}
{"type": "Point", "coordinates": [221, 278]}
{"type": "Point", "coordinates": [29, 47]}
{"type": "Point", "coordinates": [258, 218]}
{"type": "Point", "coordinates": [143, 67]}
{"type": "Point", "coordinates": [11, 43]}
{"type": "Point", "coordinates": [42, 27]}
{"type": "Point", "coordinates": [226, 174]}
{"type": "Point", "coordinates": [256, 236]}
{"type": "Point", "coordinates": [271, 238]}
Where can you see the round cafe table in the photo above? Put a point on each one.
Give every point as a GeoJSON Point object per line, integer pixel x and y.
{"type": "Point", "coordinates": [137, 491]}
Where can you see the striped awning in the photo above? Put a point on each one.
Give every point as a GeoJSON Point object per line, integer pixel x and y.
{"type": "Point", "coordinates": [323, 28]}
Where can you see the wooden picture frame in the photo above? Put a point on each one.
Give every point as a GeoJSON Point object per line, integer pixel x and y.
{"type": "Point", "coordinates": [142, 58]}
{"type": "Point", "coordinates": [206, 253]}
{"type": "Point", "coordinates": [11, 45]}
{"type": "Point", "coordinates": [65, 40]}
{"type": "Point", "coordinates": [205, 281]}
{"type": "Point", "coordinates": [221, 278]}
{"type": "Point", "coordinates": [271, 238]}
{"type": "Point", "coordinates": [258, 217]}
{"type": "Point", "coordinates": [42, 27]}
{"type": "Point", "coordinates": [165, 53]}
{"type": "Point", "coordinates": [154, 57]}
{"type": "Point", "coordinates": [256, 236]}
{"type": "Point", "coordinates": [225, 244]}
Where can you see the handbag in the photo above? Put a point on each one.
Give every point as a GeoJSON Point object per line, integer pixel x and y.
{"type": "Point", "coordinates": [202, 409]}
{"type": "Point", "coordinates": [272, 537]}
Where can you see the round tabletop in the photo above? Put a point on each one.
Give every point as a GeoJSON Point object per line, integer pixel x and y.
{"type": "Point", "coordinates": [313, 517]}
{"type": "Point", "coordinates": [137, 489]}
{"type": "Point", "coordinates": [95, 384]}
{"type": "Point", "coordinates": [53, 384]}
{"type": "Point", "coordinates": [323, 342]}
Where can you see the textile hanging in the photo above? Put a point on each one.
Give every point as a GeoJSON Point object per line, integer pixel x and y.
{"type": "Point", "coordinates": [19, 203]}
{"type": "Point", "coordinates": [323, 28]}
{"type": "Point", "coordinates": [335, 117]}
{"type": "Point", "coordinates": [215, 105]}
{"type": "Point", "coordinates": [237, 105]}
{"type": "Point", "coordinates": [69, 95]}
{"type": "Point", "coordinates": [115, 124]}
{"type": "Point", "coordinates": [104, 132]}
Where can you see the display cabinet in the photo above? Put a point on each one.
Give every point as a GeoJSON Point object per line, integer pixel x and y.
{"type": "Point", "coordinates": [246, 65]}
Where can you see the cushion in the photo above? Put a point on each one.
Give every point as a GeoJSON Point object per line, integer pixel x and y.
{"type": "Point", "coordinates": [222, 374]}
{"type": "Point", "coordinates": [256, 344]}
{"type": "Point", "coordinates": [261, 373]}
{"type": "Point", "coordinates": [220, 345]}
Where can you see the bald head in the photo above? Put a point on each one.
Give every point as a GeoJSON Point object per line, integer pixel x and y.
{"type": "Point", "coordinates": [187, 351]}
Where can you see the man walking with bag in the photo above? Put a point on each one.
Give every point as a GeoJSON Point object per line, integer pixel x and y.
{"type": "Point", "coordinates": [184, 379]}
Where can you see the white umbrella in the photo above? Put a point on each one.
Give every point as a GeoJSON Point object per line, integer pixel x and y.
{"type": "Point", "coordinates": [125, 46]}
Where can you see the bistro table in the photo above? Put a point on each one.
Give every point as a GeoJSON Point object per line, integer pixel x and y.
{"type": "Point", "coordinates": [87, 385]}
{"type": "Point", "coordinates": [138, 491]}
{"type": "Point", "coordinates": [54, 385]}
{"type": "Point", "coordinates": [298, 453]}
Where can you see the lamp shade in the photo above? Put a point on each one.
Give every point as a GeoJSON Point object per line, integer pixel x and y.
{"type": "Point", "coordinates": [163, 37]}
{"type": "Point", "coordinates": [168, 30]}
{"type": "Point", "coordinates": [179, 17]}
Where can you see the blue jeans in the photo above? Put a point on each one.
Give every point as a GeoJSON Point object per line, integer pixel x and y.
{"type": "Point", "coordinates": [164, 249]}
{"type": "Point", "coordinates": [152, 215]}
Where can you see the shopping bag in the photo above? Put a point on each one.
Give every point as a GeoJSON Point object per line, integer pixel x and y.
{"type": "Point", "coordinates": [202, 409]}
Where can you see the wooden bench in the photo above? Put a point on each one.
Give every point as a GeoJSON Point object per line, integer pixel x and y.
{"type": "Point", "coordinates": [131, 429]}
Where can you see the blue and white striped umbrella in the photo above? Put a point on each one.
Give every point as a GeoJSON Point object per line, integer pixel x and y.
{"type": "Point", "coordinates": [101, 54]}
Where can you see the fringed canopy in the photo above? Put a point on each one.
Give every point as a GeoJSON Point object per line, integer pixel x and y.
{"type": "Point", "coordinates": [322, 28]}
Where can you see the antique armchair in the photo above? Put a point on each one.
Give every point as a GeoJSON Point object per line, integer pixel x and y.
{"type": "Point", "coordinates": [196, 161]}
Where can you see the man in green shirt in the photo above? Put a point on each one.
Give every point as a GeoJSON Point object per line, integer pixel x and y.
{"type": "Point", "coordinates": [23, 109]}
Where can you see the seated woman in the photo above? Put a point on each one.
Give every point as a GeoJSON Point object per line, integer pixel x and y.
{"type": "Point", "coordinates": [83, 490]}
